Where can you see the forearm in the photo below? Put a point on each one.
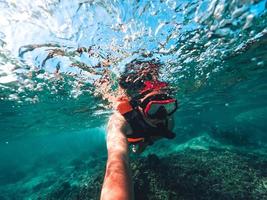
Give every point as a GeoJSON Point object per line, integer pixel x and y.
{"type": "Point", "coordinates": [117, 183]}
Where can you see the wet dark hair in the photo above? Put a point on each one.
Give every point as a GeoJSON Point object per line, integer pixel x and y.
{"type": "Point", "coordinates": [136, 73]}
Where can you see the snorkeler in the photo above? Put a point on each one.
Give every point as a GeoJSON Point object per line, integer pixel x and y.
{"type": "Point", "coordinates": [143, 115]}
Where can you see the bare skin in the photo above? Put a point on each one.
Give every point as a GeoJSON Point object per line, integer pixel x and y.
{"type": "Point", "coordinates": [117, 182]}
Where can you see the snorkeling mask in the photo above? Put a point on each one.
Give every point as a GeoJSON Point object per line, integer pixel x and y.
{"type": "Point", "coordinates": [160, 105]}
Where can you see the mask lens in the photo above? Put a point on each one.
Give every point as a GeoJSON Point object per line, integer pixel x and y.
{"type": "Point", "coordinates": [170, 107]}
{"type": "Point", "coordinates": [156, 106]}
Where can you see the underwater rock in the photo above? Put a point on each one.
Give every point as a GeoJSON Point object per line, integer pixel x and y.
{"type": "Point", "coordinates": [199, 174]}
{"type": "Point", "coordinates": [188, 174]}
{"type": "Point", "coordinates": [64, 191]}
{"type": "Point", "coordinates": [237, 136]}
{"type": "Point", "coordinates": [42, 185]}
{"type": "Point", "coordinates": [83, 183]}
{"type": "Point", "coordinates": [78, 164]}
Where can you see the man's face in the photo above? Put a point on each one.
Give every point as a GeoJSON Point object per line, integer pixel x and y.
{"type": "Point", "coordinates": [162, 118]}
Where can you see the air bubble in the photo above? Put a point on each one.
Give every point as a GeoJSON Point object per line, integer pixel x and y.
{"type": "Point", "coordinates": [261, 63]}
{"type": "Point", "coordinates": [249, 20]}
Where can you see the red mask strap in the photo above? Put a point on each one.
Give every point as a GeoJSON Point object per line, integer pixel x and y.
{"type": "Point", "coordinates": [155, 85]}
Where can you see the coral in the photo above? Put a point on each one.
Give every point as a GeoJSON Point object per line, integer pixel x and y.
{"type": "Point", "coordinates": [188, 174]}
{"type": "Point", "coordinates": [198, 174]}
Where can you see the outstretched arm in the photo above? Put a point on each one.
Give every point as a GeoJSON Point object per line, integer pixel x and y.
{"type": "Point", "coordinates": [117, 182]}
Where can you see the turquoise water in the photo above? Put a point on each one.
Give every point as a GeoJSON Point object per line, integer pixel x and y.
{"type": "Point", "coordinates": [53, 119]}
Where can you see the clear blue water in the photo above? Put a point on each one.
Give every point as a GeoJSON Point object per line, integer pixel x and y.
{"type": "Point", "coordinates": [214, 56]}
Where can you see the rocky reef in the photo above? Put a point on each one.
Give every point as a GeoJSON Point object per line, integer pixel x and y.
{"type": "Point", "coordinates": [191, 174]}
{"type": "Point", "coordinates": [198, 174]}
{"type": "Point", "coordinates": [188, 174]}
